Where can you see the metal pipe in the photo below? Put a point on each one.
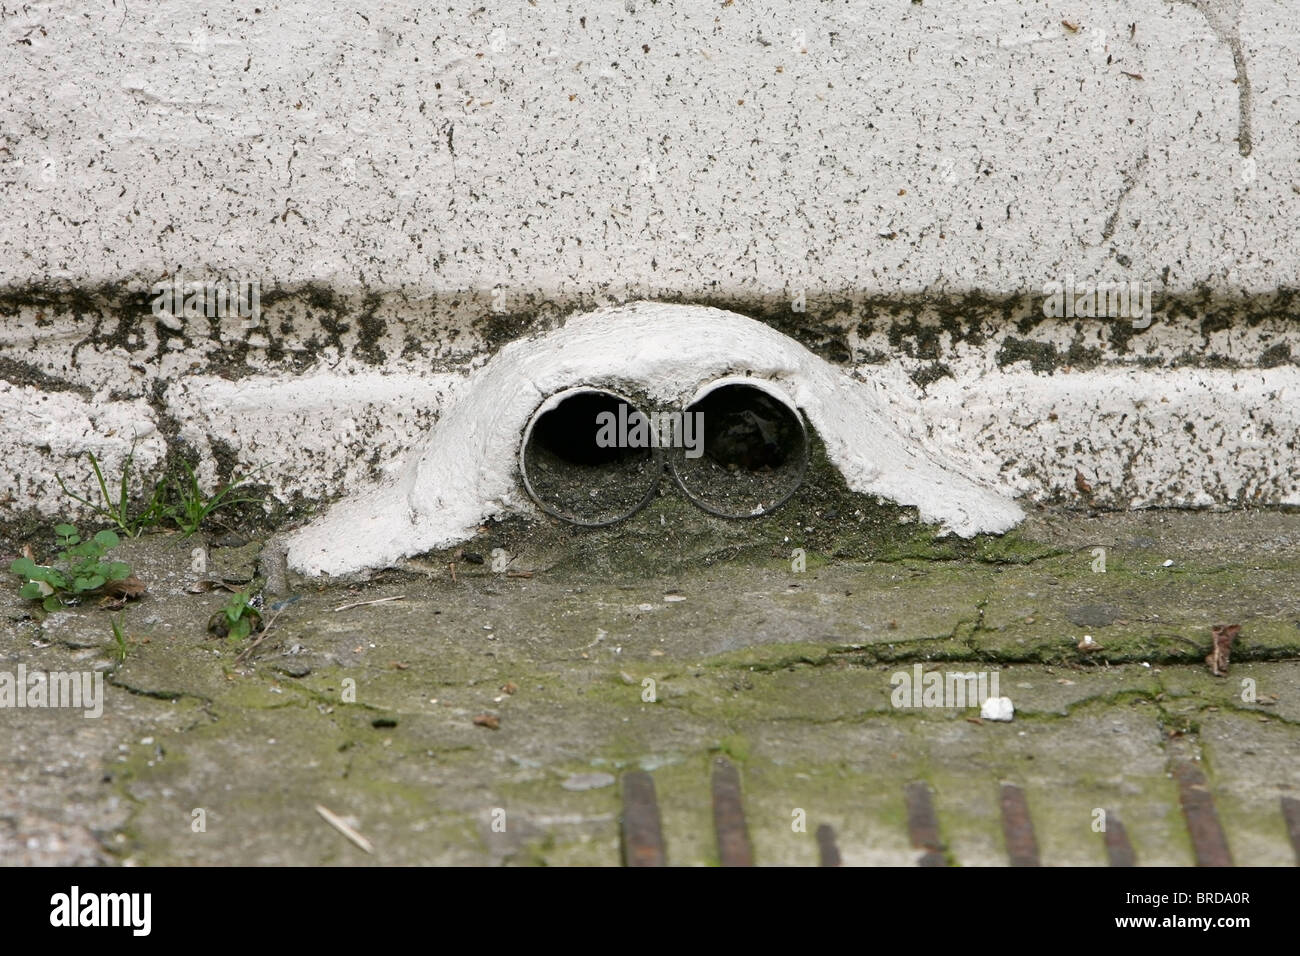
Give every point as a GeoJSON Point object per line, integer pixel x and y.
{"type": "Point", "coordinates": [573, 471]}
{"type": "Point", "coordinates": [754, 448]}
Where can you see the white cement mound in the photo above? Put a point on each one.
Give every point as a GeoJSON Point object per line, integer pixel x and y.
{"type": "Point", "coordinates": [465, 469]}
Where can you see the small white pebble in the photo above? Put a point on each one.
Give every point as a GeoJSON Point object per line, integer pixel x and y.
{"type": "Point", "coordinates": [997, 708]}
{"type": "Point", "coordinates": [1169, 564]}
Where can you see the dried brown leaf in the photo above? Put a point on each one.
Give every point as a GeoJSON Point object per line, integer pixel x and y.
{"type": "Point", "coordinates": [128, 588]}
{"type": "Point", "coordinates": [1221, 653]}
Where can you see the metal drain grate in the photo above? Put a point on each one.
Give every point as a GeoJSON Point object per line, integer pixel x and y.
{"type": "Point", "coordinates": [643, 841]}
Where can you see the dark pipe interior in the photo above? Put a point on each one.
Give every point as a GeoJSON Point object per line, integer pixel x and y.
{"type": "Point", "coordinates": [573, 477]}
{"type": "Point", "coordinates": [755, 452]}
{"type": "Point", "coordinates": [568, 431]}
{"type": "Point", "coordinates": [747, 429]}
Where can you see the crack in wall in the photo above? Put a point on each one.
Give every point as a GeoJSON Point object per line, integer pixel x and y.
{"type": "Point", "coordinates": [1224, 19]}
{"type": "Point", "coordinates": [1131, 180]}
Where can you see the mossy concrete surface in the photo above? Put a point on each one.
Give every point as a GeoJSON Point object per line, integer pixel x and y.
{"type": "Point", "coordinates": [656, 645]}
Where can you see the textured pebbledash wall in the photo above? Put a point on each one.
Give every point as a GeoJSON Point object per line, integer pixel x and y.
{"type": "Point", "coordinates": [414, 187]}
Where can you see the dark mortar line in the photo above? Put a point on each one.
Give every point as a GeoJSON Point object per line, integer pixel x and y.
{"type": "Point", "coordinates": [925, 714]}
{"type": "Point", "coordinates": [1264, 655]}
{"type": "Point", "coordinates": [1176, 727]}
{"type": "Point", "coordinates": [112, 681]}
{"type": "Point", "coordinates": [822, 327]}
{"type": "Point", "coordinates": [1229, 707]}
{"type": "Point", "coordinates": [310, 693]}
{"type": "Point", "coordinates": [23, 373]}
{"type": "Point", "coordinates": [866, 656]}
{"type": "Point", "coordinates": [1119, 697]}
{"type": "Point", "coordinates": [965, 559]}
{"type": "Point", "coordinates": [1239, 710]}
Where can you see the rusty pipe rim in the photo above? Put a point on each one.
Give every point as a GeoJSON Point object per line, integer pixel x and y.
{"type": "Point", "coordinates": [735, 492]}
{"type": "Point", "coordinates": [545, 473]}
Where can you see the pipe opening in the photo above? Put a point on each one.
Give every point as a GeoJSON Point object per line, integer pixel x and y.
{"type": "Point", "coordinates": [572, 469]}
{"type": "Point", "coordinates": [754, 451]}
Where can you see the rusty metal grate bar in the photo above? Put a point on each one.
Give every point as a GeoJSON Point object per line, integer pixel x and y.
{"type": "Point", "coordinates": [827, 852]}
{"type": "Point", "coordinates": [1291, 814]}
{"type": "Point", "coordinates": [1118, 848]}
{"type": "Point", "coordinates": [923, 825]}
{"type": "Point", "coordinates": [643, 842]}
{"type": "Point", "coordinates": [643, 838]}
{"type": "Point", "coordinates": [729, 816]}
{"type": "Point", "coordinates": [1208, 840]}
{"type": "Point", "coordinates": [1017, 828]}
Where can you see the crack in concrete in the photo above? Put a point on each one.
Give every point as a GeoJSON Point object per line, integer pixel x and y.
{"type": "Point", "coordinates": [1131, 180]}
{"type": "Point", "coordinates": [932, 650]}
{"type": "Point", "coordinates": [169, 695]}
{"type": "Point", "coordinates": [1171, 723]}
{"type": "Point", "coordinates": [1224, 19]}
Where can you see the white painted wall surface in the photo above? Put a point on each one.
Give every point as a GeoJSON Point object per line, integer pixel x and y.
{"type": "Point", "coordinates": [871, 144]}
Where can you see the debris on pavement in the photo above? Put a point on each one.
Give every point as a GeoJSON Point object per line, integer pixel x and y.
{"type": "Point", "coordinates": [348, 607]}
{"type": "Point", "coordinates": [1224, 635]}
{"type": "Point", "coordinates": [338, 823]}
{"type": "Point", "coordinates": [998, 708]}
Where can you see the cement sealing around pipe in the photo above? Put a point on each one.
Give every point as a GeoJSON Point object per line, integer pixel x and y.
{"type": "Point", "coordinates": [465, 469]}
